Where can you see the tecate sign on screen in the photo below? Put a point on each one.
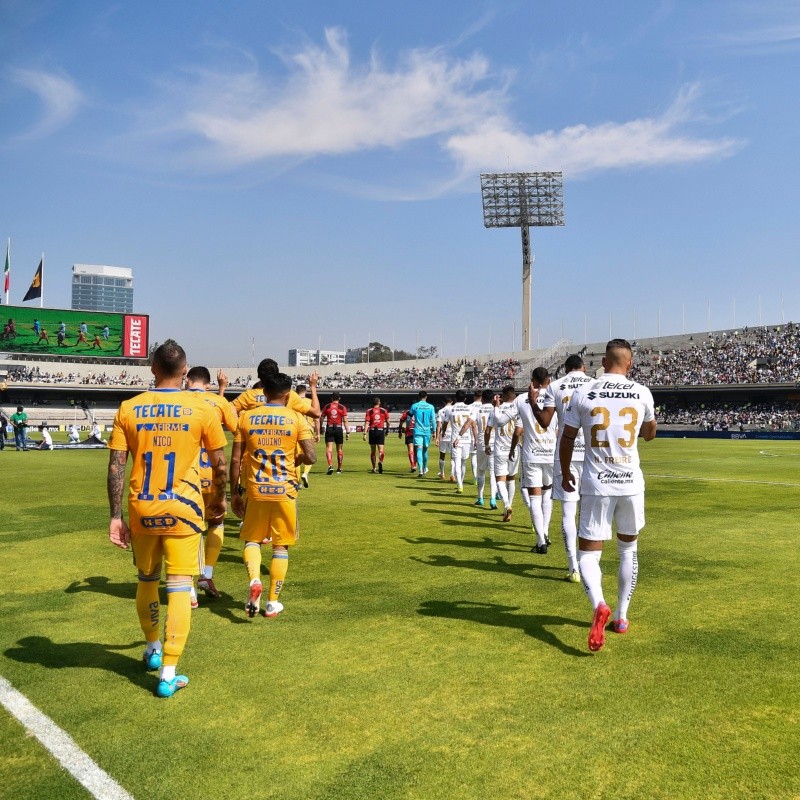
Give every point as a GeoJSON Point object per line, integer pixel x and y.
{"type": "Point", "coordinates": [135, 341]}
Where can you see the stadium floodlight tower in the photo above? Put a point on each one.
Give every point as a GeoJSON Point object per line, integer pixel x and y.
{"type": "Point", "coordinates": [523, 200]}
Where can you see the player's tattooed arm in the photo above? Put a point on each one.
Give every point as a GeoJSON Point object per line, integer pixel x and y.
{"type": "Point", "coordinates": [118, 532]}
{"type": "Point", "coordinates": [116, 481]}
{"type": "Point", "coordinates": [309, 453]}
{"type": "Point", "coordinates": [219, 477]}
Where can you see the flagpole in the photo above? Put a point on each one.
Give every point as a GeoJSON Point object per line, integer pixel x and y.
{"type": "Point", "coordinates": [41, 285]}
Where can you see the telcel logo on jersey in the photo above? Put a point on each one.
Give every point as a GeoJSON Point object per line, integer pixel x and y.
{"type": "Point", "coordinates": [159, 522]}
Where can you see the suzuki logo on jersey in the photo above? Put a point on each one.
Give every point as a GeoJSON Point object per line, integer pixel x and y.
{"type": "Point", "coordinates": [619, 395]}
{"type": "Point", "coordinates": [159, 522]}
{"type": "Point", "coordinates": [592, 395]}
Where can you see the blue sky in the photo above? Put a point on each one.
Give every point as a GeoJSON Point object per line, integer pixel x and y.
{"type": "Point", "coordinates": [308, 172]}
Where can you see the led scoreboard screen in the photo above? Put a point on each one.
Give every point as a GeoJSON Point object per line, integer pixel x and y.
{"type": "Point", "coordinates": [53, 331]}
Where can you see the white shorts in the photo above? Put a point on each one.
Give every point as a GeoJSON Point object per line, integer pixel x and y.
{"type": "Point", "coordinates": [576, 468]}
{"type": "Point", "coordinates": [597, 512]}
{"type": "Point", "coordinates": [535, 476]}
{"type": "Point", "coordinates": [445, 447]}
{"type": "Point", "coordinates": [464, 446]}
{"type": "Point", "coordinates": [484, 461]}
{"type": "Point", "coordinates": [504, 466]}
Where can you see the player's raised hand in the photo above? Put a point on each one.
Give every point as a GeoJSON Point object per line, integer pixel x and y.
{"type": "Point", "coordinates": [533, 393]}
{"type": "Point", "coordinates": [313, 379]}
{"type": "Point", "coordinates": [222, 379]}
{"type": "Point", "coordinates": [119, 534]}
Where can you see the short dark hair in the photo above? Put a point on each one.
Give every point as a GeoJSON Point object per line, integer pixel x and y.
{"type": "Point", "coordinates": [169, 359]}
{"type": "Point", "coordinates": [508, 389]}
{"type": "Point", "coordinates": [487, 395]}
{"type": "Point", "coordinates": [461, 396]}
{"type": "Point", "coordinates": [573, 362]}
{"type": "Point", "coordinates": [198, 375]}
{"type": "Point", "coordinates": [422, 395]}
{"type": "Point", "coordinates": [277, 385]}
{"type": "Point", "coordinates": [301, 387]}
{"type": "Point", "coordinates": [540, 375]}
{"type": "Point", "coordinates": [376, 401]}
{"type": "Point", "coordinates": [335, 396]}
{"type": "Point", "coordinates": [266, 367]}
{"type": "Point", "coordinates": [619, 344]}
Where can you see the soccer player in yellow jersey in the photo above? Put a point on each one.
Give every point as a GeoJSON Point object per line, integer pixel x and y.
{"type": "Point", "coordinates": [250, 398]}
{"type": "Point", "coordinates": [198, 379]}
{"type": "Point", "coordinates": [164, 430]}
{"type": "Point", "coordinates": [264, 449]}
{"type": "Point", "coordinates": [313, 425]}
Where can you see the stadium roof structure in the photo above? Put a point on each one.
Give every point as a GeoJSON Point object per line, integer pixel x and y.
{"type": "Point", "coordinates": [523, 200]}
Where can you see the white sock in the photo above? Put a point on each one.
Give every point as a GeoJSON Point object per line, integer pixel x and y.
{"type": "Point", "coordinates": [526, 498]}
{"type": "Point", "coordinates": [153, 647]}
{"type": "Point", "coordinates": [547, 508]}
{"type": "Point", "coordinates": [626, 577]}
{"type": "Point", "coordinates": [482, 484]}
{"type": "Point", "coordinates": [474, 461]}
{"type": "Point", "coordinates": [456, 469]}
{"type": "Point", "coordinates": [441, 466]}
{"type": "Point", "coordinates": [511, 488]}
{"type": "Point", "coordinates": [501, 487]}
{"type": "Point", "coordinates": [592, 575]}
{"type": "Point", "coordinates": [536, 517]}
{"type": "Point", "coordinates": [493, 485]}
{"type": "Point", "coordinates": [167, 673]}
{"type": "Point", "coordinates": [255, 580]}
{"type": "Point", "coordinates": [463, 473]}
{"type": "Point", "coordinates": [569, 532]}
{"type": "Point", "coordinates": [208, 572]}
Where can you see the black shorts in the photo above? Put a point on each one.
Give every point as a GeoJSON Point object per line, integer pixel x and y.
{"type": "Point", "coordinates": [377, 436]}
{"type": "Point", "coordinates": [335, 435]}
{"type": "Point", "coordinates": [410, 439]}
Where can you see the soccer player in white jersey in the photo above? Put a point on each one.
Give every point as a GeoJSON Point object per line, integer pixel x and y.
{"type": "Point", "coordinates": [473, 407]}
{"type": "Point", "coordinates": [538, 450]}
{"type": "Point", "coordinates": [552, 401]}
{"type": "Point", "coordinates": [480, 421]}
{"type": "Point", "coordinates": [505, 461]}
{"type": "Point", "coordinates": [456, 418]}
{"type": "Point", "coordinates": [444, 438]}
{"type": "Point", "coordinates": [613, 412]}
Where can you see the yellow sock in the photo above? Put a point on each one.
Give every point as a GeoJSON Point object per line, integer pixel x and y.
{"type": "Point", "coordinates": [278, 568]}
{"type": "Point", "coordinates": [179, 619]}
{"type": "Point", "coordinates": [147, 605]}
{"type": "Point", "coordinates": [252, 560]}
{"type": "Point", "coordinates": [214, 540]}
{"type": "Point", "coordinates": [306, 469]}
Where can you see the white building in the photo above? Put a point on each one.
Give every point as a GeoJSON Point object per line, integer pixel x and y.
{"type": "Point", "coordinates": [310, 358]}
{"type": "Point", "coordinates": [102, 288]}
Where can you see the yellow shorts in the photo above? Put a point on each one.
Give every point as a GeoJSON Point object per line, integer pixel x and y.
{"type": "Point", "coordinates": [183, 555]}
{"type": "Point", "coordinates": [270, 519]}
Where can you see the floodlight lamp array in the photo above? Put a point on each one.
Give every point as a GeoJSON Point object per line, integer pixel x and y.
{"type": "Point", "coordinates": [522, 199]}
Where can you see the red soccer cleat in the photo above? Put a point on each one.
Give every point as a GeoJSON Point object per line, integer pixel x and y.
{"type": "Point", "coordinates": [597, 634]}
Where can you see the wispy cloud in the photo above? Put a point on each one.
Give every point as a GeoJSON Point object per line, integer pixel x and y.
{"type": "Point", "coordinates": [325, 105]}
{"type": "Point", "coordinates": [59, 96]}
{"type": "Point", "coordinates": [498, 144]}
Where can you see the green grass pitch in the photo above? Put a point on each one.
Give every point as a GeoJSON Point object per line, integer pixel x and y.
{"type": "Point", "coordinates": [424, 651]}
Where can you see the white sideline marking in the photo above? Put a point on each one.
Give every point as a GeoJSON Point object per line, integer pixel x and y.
{"type": "Point", "coordinates": [95, 780]}
{"type": "Point", "coordinates": [720, 480]}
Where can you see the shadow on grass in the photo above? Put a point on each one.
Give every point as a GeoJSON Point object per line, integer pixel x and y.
{"type": "Point", "coordinates": [535, 625]}
{"type": "Point", "coordinates": [497, 564]}
{"type": "Point", "coordinates": [486, 543]}
{"type": "Point", "coordinates": [101, 584]}
{"type": "Point", "coordinates": [226, 606]}
{"type": "Point", "coordinates": [83, 655]}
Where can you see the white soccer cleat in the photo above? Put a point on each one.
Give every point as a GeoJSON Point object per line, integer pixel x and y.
{"type": "Point", "coordinates": [273, 609]}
